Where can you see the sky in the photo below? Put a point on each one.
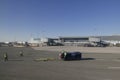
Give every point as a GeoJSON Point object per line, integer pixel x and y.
{"type": "Point", "coordinates": [22, 19]}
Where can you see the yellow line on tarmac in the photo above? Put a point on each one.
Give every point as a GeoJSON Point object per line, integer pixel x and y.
{"type": "Point", "coordinates": [45, 59]}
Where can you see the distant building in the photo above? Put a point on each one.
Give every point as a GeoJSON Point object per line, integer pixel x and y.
{"type": "Point", "coordinates": [115, 39]}
{"type": "Point", "coordinates": [54, 42]}
{"type": "Point", "coordinates": [34, 42]}
{"type": "Point", "coordinates": [38, 42]}
{"type": "Point", "coordinates": [78, 41]}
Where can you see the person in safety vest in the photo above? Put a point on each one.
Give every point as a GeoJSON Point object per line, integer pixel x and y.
{"type": "Point", "coordinates": [5, 57]}
{"type": "Point", "coordinates": [21, 53]}
{"type": "Point", "coordinates": [62, 54]}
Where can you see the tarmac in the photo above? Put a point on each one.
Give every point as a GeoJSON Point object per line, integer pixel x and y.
{"type": "Point", "coordinates": [81, 49]}
{"type": "Point", "coordinates": [93, 66]}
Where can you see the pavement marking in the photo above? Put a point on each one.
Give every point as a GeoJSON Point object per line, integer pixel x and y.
{"type": "Point", "coordinates": [45, 59]}
{"type": "Point", "coordinates": [15, 60]}
{"type": "Point", "coordinates": [113, 67]}
{"type": "Point", "coordinates": [100, 59]}
{"type": "Point", "coordinates": [116, 60]}
{"type": "Point", "coordinates": [107, 79]}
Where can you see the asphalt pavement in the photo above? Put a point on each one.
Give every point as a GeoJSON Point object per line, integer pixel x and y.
{"type": "Point", "coordinates": [93, 66]}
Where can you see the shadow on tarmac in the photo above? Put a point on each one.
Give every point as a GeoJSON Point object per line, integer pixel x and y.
{"type": "Point", "coordinates": [82, 59]}
{"type": "Point", "coordinates": [88, 59]}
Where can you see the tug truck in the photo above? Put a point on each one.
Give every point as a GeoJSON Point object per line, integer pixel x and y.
{"type": "Point", "coordinates": [70, 56]}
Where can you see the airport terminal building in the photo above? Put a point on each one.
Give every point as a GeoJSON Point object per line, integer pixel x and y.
{"type": "Point", "coordinates": [92, 40]}
{"type": "Point", "coordinates": [77, 41]}
{"type": "Point", "coordinates": [113, 40]}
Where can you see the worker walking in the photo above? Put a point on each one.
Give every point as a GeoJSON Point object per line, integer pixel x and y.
{"type": "Point", "coordinates": [5, 56]}
{"type": "Point", "coordinates": [21, 53]}
{"type": "Point", "coordinates": [62, 55]}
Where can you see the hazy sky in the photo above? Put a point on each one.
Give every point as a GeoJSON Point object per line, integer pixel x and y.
{"type": "Point", "coordinates": [21, 19]}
